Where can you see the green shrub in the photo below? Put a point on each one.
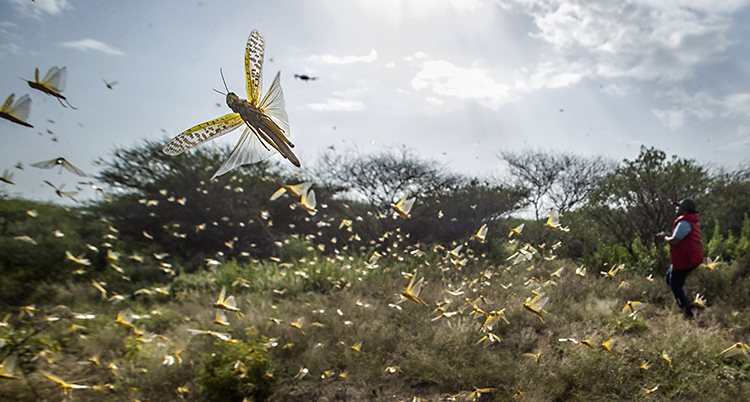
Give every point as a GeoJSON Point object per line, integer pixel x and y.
{"type": "Point", "coordinates": [234, 371]}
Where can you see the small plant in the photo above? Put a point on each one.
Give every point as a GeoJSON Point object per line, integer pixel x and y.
{"type": "Point", "coordinates": [238, 370]}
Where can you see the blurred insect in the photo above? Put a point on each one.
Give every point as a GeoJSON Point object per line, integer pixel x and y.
{"type": "Point", "coordinates": [557, 274]}
{"type": "Point", "coordinates": [489, 339]}
{"type": "Point", "coordinates": [607, 346]}
{"type": "Point", "coordinates": [492, 318]}
{"type": "Point", "coordinates": [100, 288]}
{"type": "Point", "coordinates": [7, 177]}
{"type": "Point", "coordinates": [536, 356]}
{"type": "Point", "coordinates": [110, 84]}
{"type": "Point", "coordinates": [699, 301]}
{"type": "Point", "coordinates": [78, 260]}
{"type": "Point", "coordinates": [62, 162]}
{"type": "Point", "coordinates": [581, 271]}
{"type": "Point", "coordinates": [26, 239]}
{"type": "Point", "coordinates": [296, 190]}
{"type": "Point", "coordinates": [221, 318]}
{"type": "Point", "coordinates": [472, 396]}
{"type": "Point", "coordinates": [224, 337]}
{"type": "Point", "coordinates": [553, 222]}
{"type": "Point", "coordinates": [53, 83]}
{"type": "Point", "coordinates": [647, 391]}
{"type": "Point", "coordinates": [611, 273]}
{"type": "Point", "coordinates": [516, 230]}
{"type": "Point", "coordinates": [304, 77]}
{"type": "Point", "coordinates": [665, 358]}
{"type": "Point", "coordinates": [481, 234]}
{"type": "Point", "coordinates": [228, 304]}
{"type": "Point", "coordinates": [17, 112]}
{"type": "Point", "coordinates": [403, 206]}
{"type": "Point", "coordinates": [393, 369]}
{"type": "Point", "coordinates": [308, 202]}
{"type": "Point", "coordinates": [298, 324]}
{"type": "Point", "coordinates": [536, 305]}
{"type": "Point", "coordinates": [266, 120]}
{"type": "Point", "coordinates": [711, 264]}
{"type": "Point", "coordinates": [8, 366]}
{"type": "Point", "coordinates": [736, 349]}
{"type": "Point", "coordinates": [66, 386]}
{"type": "Point", "coordinates": [125, 318]}
{"type": "Point", "coordinates": [412, 290]}
{"type": "Point", "coordinates": [632, 308]}
{"type": "Point", "coordinates": [357, 347]}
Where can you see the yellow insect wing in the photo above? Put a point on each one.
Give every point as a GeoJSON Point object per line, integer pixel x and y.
{"type": "Point", "coordinates": [203, 132]}
{"type": "Point", "coordinates": [254, 51]}
{"type": "Point", "coordinates": [17, 112]}
{"type": "Point", "coordinates": [221, 295]}
{"type": "Point", "coordinates": [8, 366]}
{"type": "Point", "coordinates": [55, 79]}
{"type": "Point", "coordinates": [221, 318]}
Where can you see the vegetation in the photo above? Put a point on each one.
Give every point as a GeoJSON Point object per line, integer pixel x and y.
{"type": "Point", "coordinates": [133, 316]}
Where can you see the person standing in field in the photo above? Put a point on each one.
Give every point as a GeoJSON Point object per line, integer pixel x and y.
{"type": "Point", "coordinates": [685, 251]}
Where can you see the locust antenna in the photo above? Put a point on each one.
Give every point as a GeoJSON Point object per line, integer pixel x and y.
{"type": "Point", "coordinates": [222, 79]}
{"type": "Point", "coordinates": [225, 83]}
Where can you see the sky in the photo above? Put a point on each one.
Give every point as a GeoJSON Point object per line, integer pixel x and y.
{"type": "Point", "coordinates": [455, 81]}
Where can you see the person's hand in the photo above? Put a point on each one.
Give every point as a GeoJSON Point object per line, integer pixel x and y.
{"type": "Point", "coordinates": [661, 235]}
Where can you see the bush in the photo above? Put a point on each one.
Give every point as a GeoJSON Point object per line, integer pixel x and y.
{"type": "Point", "coordinates": [234, 371]}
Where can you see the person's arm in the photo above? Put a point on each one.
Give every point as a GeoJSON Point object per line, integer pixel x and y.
{"type": "Point", "coordinates": [680, 231]}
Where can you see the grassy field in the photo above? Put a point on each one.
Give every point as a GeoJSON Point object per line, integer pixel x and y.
{"type": "Point", "coordinates": [318, 328]}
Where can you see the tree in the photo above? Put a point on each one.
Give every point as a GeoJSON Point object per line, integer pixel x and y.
{"type": "Point", "coordinates": [636, 200]}
{"type": "Point", "coordinates": [560, 178]}
{"type": "Point", "coordinates": [381, 179]}
{"type": "Point", "coordinates": [727, 199]}
{"type": "Point", "coordinates": [172, 200]}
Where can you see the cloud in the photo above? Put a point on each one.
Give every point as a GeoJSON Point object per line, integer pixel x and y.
{"type": "Point", "coordinates": [9, 48]}
{"type": "Point", "coordinates": [338, 104]}
{"type": "Point", "coordinates": [736, 104]}
{"type": "Point", "coordinates": [92, 44]}
{"type": "Point", "coordinates": [701, 106]}
{"type": "Point", "coordinates": [617, 90]}
{"type": "Point", "coordinates": [442, 77]}
{"type": "Point", "coordinates": [36, 9]}
{"type": "Point", "coordinates": [645, 40]}
{"type": "Point", "coordinates": [330, 59]}
{"type": "Point", "coordinates": [672, 118]}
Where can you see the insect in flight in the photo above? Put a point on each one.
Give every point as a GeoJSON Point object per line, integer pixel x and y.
{"type": "Point", "coordinates": [17, 112]}
{"type": "Point", "coordinates": [267, 124]}
{"type": "Point", "coordinates": [110, 84]}
{"type": "Point", "coordinates": [52, 84]}
{"type": "Point", "coordinates": [62, 162]}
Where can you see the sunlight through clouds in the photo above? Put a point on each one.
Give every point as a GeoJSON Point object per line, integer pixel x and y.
{"type": "Point", "coordinates": [92, 44]}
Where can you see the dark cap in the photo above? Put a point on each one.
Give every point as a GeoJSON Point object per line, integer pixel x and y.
{"type": "Point", "coordinates": [688, 204]}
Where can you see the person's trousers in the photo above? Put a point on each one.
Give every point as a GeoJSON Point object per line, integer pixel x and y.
{"type": "Point", "coordinates": [676, 280]}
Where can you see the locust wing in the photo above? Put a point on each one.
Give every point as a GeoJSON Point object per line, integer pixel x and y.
{"type": "Point", "coordinates": [254, 50]}
{"type": "Point", "coordinates": [203, 132]}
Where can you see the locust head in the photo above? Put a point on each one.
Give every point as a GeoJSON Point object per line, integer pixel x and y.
{"type": "Point", "coordinates": [232, 100]}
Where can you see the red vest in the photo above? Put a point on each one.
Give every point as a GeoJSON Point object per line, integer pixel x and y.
{"type": "Point", "coordinates": [689, 253]}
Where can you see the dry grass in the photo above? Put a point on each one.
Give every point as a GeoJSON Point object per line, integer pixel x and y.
{"type": "Point", "coordinates": [340, 303]}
